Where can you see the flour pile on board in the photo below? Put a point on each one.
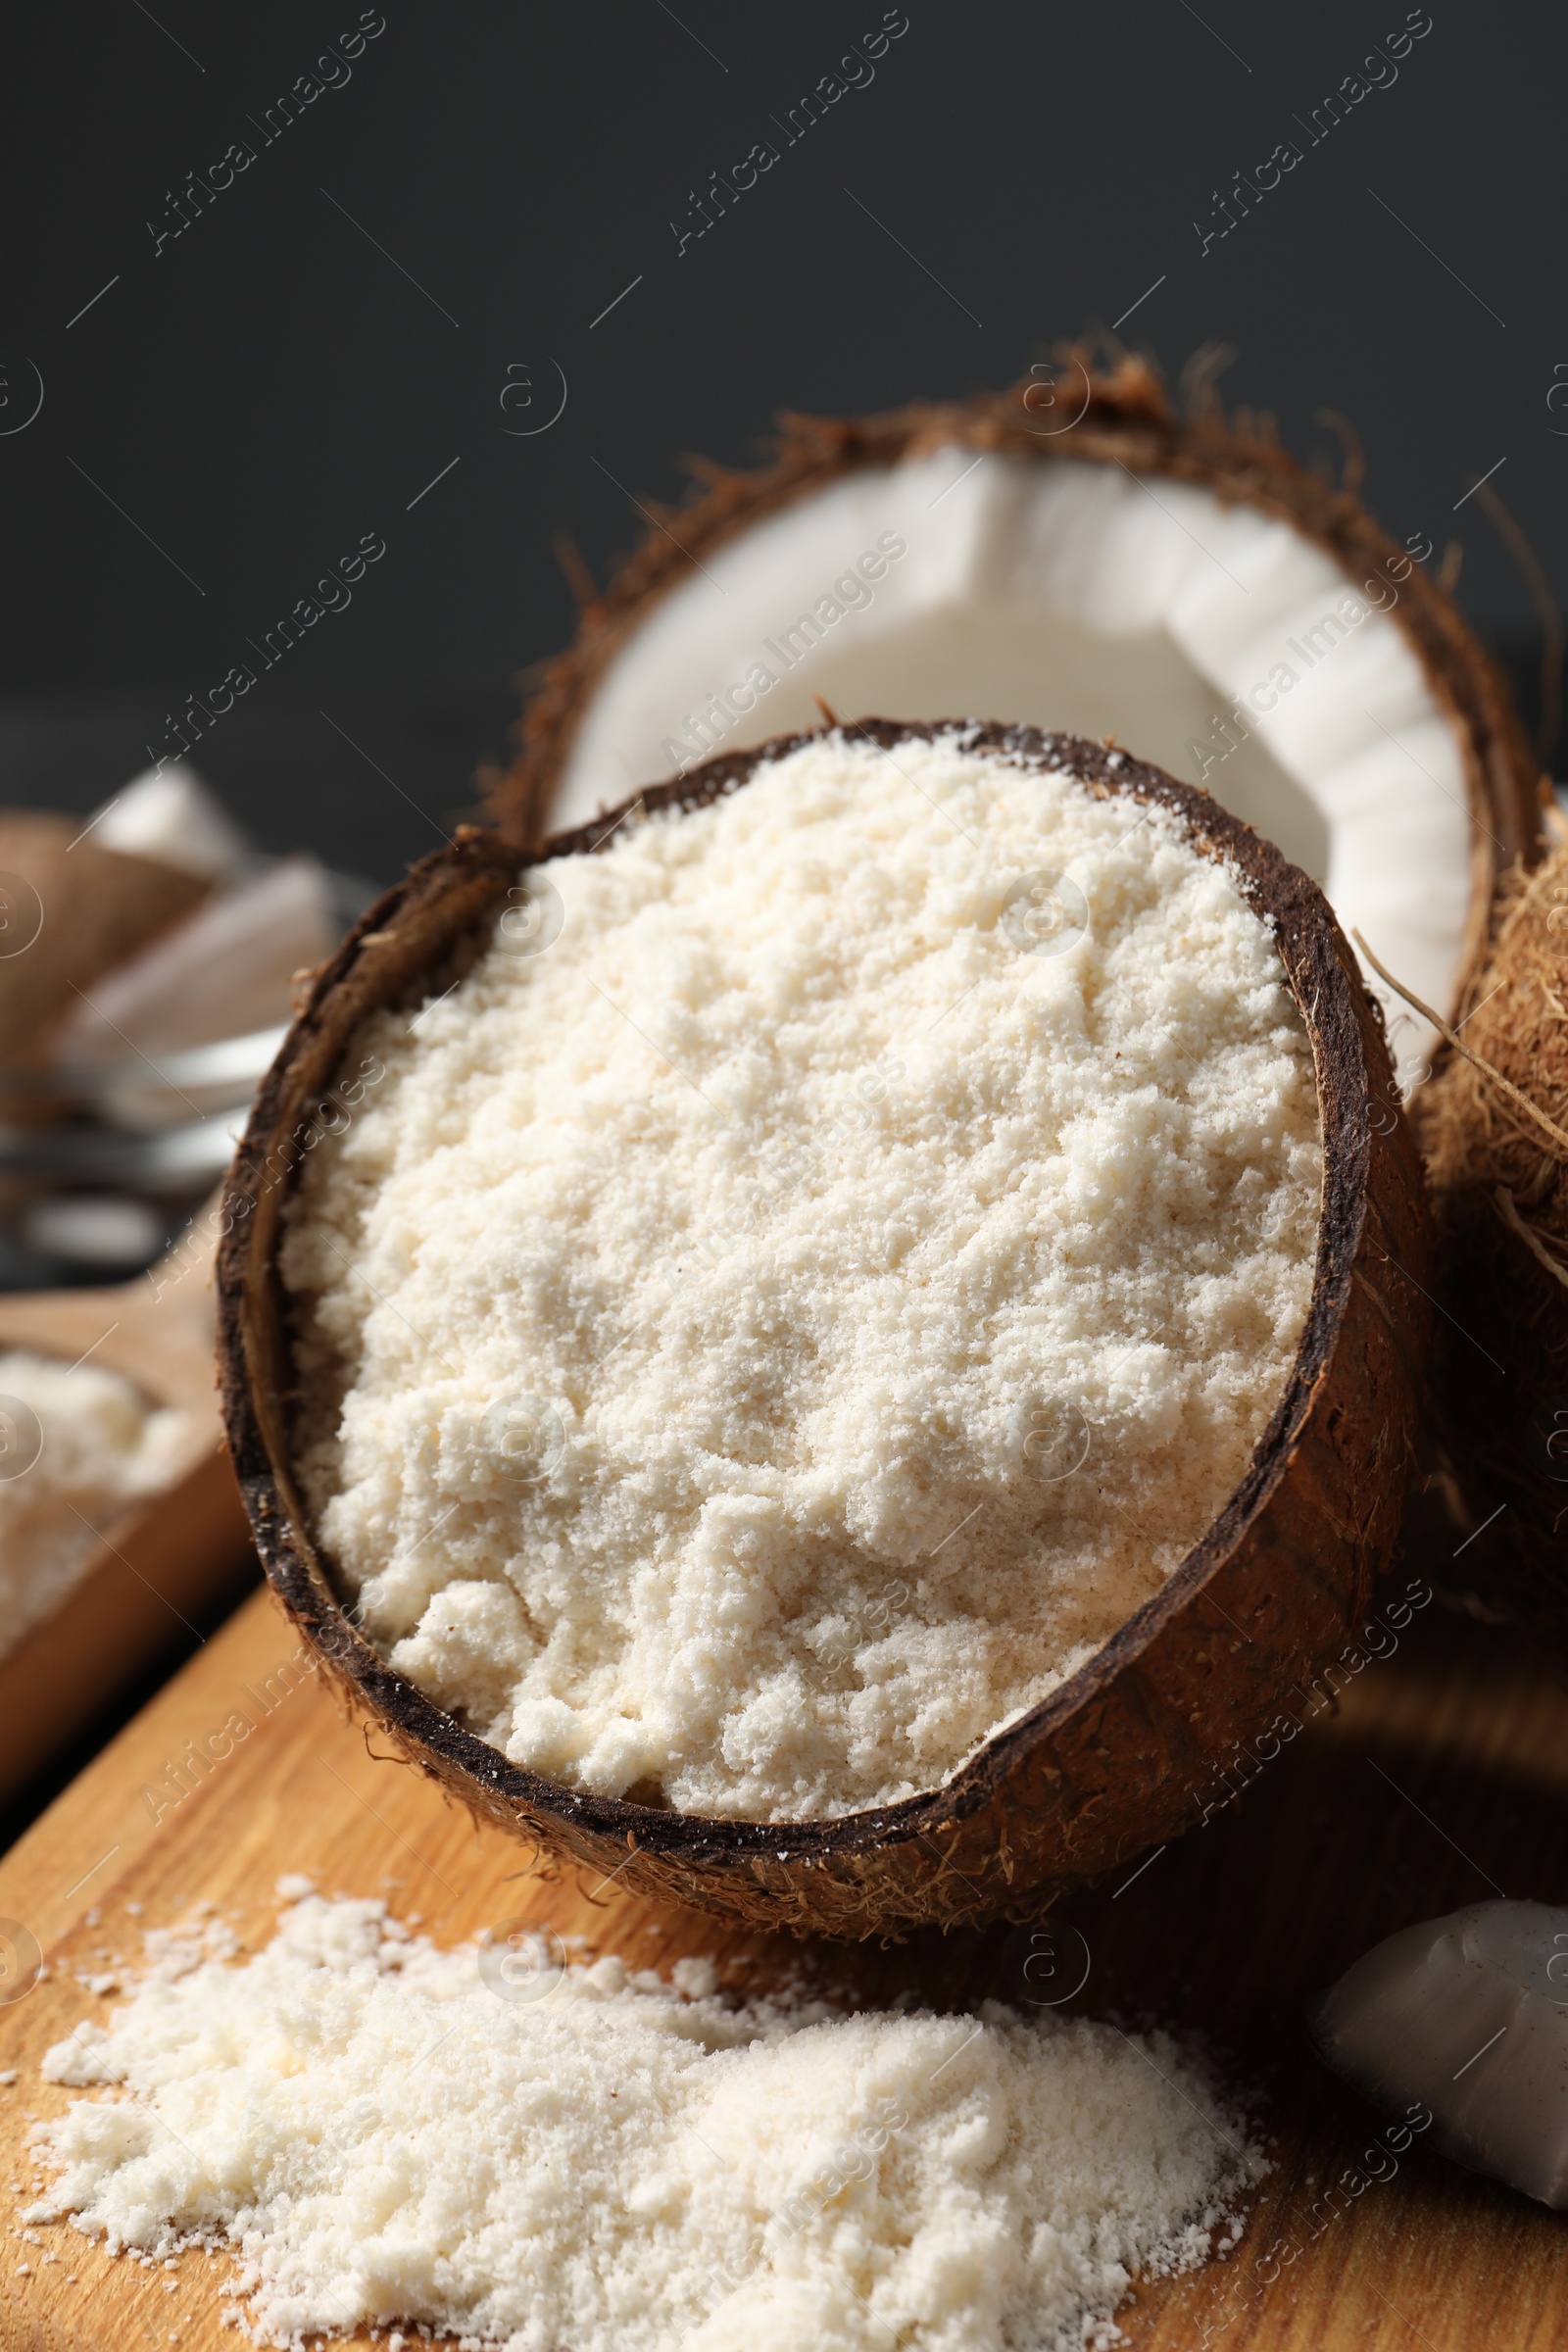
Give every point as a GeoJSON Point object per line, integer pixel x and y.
{"type": "Point", "coordinates": [618, 2166]}
{"type": "Point", "coordinates": [772, 1335]}
{"type": "Point", "coordinates": [77, 1444]}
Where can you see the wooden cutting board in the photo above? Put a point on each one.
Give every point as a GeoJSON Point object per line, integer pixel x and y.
{"type": "Point", "coordinates": [1441, 1780]}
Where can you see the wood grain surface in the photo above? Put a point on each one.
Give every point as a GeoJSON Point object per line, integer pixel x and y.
{"type": "Point", "coordinates": [1439, 1779]}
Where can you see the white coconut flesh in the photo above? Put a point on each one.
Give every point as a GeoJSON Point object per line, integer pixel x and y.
{"type": "Point", "coordinates": [1075, 595]}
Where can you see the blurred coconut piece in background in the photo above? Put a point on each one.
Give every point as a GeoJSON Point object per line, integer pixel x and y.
{"type": "Point", "coordinates": [101, 1231]}
{"type": "Point", "coordinates": [168, 812]}
{"type": "Point", "coordinates": [148, 989]}
{"type": "Point", "coordinates": [223, 974]}
{"type": "Point", "coordinates": [71, 910]}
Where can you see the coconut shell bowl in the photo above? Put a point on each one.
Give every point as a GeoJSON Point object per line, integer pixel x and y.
{"type": "Point", "coordinates": [1127, 1753]}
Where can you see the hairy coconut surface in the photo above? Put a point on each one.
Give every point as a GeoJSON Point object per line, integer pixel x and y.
{"type": "Point", "coordinates": [1495, 1123]}
{"type": "Point", "coordinates": [1075, 553]}
{"type": "Point", "coordinates": [1130, 1750]}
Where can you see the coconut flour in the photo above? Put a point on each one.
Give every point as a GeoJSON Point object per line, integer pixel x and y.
{"type": "Point", "coordinates": [621, 2166]}
{"type": "Point", "coordinates": [812, 1281]}
{"type": "Point", "coordinates": [77, 1444]}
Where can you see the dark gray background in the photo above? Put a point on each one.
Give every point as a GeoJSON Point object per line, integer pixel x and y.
{"type": "Point", "coordinates": [272, 383]}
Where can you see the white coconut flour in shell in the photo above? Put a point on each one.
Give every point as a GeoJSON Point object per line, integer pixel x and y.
{"type": "Point", "coordinates": [761, 1341]}
{"type": "Point", "coordinates": [623, 2165]}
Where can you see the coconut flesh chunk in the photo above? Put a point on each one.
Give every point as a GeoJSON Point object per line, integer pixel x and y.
{"type": "Point", "coordinates": [1076, 596]}
{"type": "Point", "coordinates": [1467, 2016]}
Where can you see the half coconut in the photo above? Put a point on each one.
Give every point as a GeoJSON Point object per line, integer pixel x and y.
{"type": "Point", "coordinates": [1075, 552]}
{"type": "Point", "coordinates": [1120, 1755]}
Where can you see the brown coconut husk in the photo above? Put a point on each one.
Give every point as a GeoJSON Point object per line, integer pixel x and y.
{"type": "Point", "coordinates": [1495, 1126]}
{"type": "Point", "coordinates": [82, 910]}
{"type": "Point", "coordinates": [1132, 1748]}
{"type": "Point", "coordinates": [97, 908]}
{"type": "Point", "coordinates": [1128, 419]}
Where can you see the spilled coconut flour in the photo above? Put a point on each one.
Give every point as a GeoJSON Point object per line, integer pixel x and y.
{"type": "Point", "coordinates": [812, 1319]}
{"type": "Point", "coordinates": [624, 2165]}
{"type": "Point", "coordinates": [77, 1444]}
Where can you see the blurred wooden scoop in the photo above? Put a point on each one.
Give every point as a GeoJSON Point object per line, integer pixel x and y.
{"type": "Point", "coordinates": [158, 1564]}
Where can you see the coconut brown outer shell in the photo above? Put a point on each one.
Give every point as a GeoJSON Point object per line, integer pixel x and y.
{"type": "Point", "coordinates": [1129, 1751]}
{"type": "Point", "coordinates": [1500, 1187]}
{"type": "Point", "coordinates": [1124, 418]}
{"type": "Point", "coordinates": [98, 906]}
